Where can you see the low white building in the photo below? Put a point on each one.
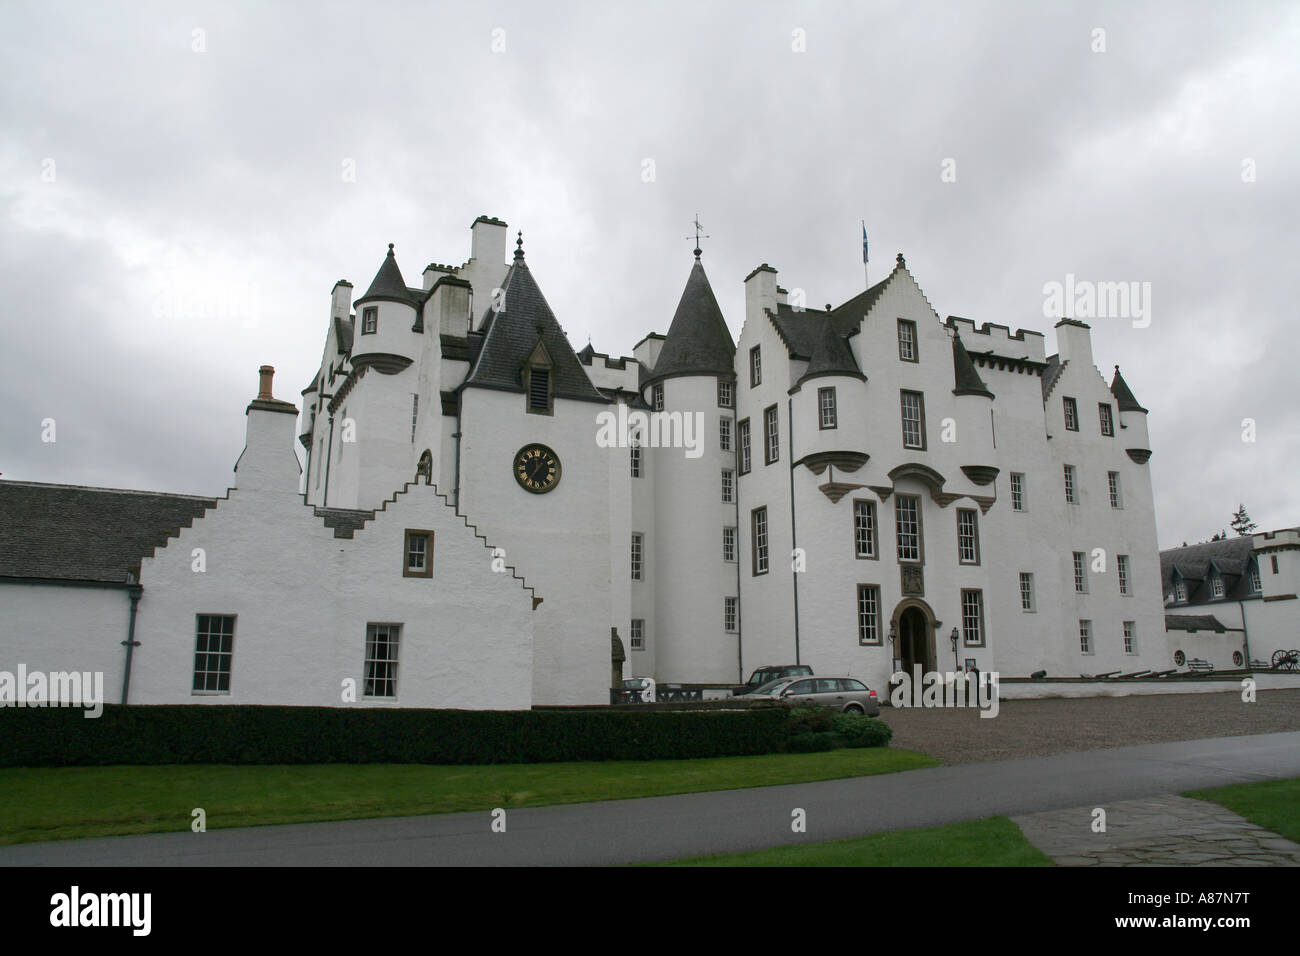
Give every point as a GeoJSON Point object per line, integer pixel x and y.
{"type": "Point", "coordinates": [852, 488]}
{"type": "Point", "coordinates": [1232, 603]}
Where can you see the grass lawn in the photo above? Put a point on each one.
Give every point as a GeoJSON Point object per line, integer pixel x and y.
{"type": "Point", "coordinates": [992, 842]}
{"type": "Point", "coordinates": [1273, 804]}
{"type": "Point", "coordinates": [67, 802]}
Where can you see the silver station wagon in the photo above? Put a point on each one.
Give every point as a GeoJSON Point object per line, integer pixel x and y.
{"type": "Point", "coordinates": [846, 694]}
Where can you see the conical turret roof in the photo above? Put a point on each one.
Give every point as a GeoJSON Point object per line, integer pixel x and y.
{"type": "Point", "coordinates": [698, 342]}
{"type": "Point", "coordinates": [388, 282]}
{"type": "Point", "coordinates": [1123, 394]}
{"type": "Point", "coordinates": [968, 380]}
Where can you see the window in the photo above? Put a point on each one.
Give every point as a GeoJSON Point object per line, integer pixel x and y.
{"type": "Point", "coordinates": [1071, 414]}
{"type": "Point", "coordinates": [1216, 583]}
{"type": "Point", "coordinates": [913, 420]}
{"type": "Point", "coordinates": [1026, 591]}
{"type": "Point", "coordinates": [864, 529]}
{"type": "Point", "coordinates": [1255, 583]}
{"type": "Point", "coordinates": [369, 320]}
{"type": "Point", "coordinates": [730, 614]}
{"type": "Point", "coordinates": [1069, 484]}
{"type": "Point", "coordinates": [1130, 637]}
{"type": "Point", "coordinates": [415, 414]}
{"type": "Point", "coordinates": [419, 554]}
{"type": "Point", "coordinates": [1107, 419]}
{"type": "Point", "coordinates": [972, 617]}
{"type": "Point", "coordinates": [726, 394]}
{"type": "Point", "coordinates": [1017, 491]}
{"type": "Point", "coordinates": [636, 555]}
{"type": "Point", "coordinates": [1121, 569]}
{"type": "Point", "coordinates": [742, 435]}
{"type": "Point", "coordinates": [771, 436]}
{"type": "Point", "coordinates": [968, 539]}
{"type": "Point", "coordinates": [1273, 559]}
{"type": "Point", "coordinates": [1180, 591]}
{"type": "Point", "coordinates": [755, 367]}
{"type": "Point", "coordinates": [724, 434]}
{"type": "Point", "coordinates": [907, 519]}
{"type": "Point", "coordinates": [868, 614]}
{"type": "Point", "coordinates": [634, 453]}
{"type": "Point", "coordinates": [728, 485]}
{"type": "Point", "coordinates": [381, 659]}
{"type": "Point", "coordinates": [826, 405]}
{"type": "Point", "coordinates": [539, 389]}
{"type": "Point", "coordinates": [212, 653]}
{"type": "Point", "coordinates": [1080, 572]}
{"type": "Point", "coordinates": [907, 340]}
{"type": "Point", "coordinates": [657, 396]}
{"type": "Point", "coordinates": [637, 634]}
{"type": "Point", "coordinates": [758, 537]}
{"type": "Point", "coordinates": [728, 544]}
{"type": "Point", "coordinates": [1085, 637]}
{"type": "Point", "coordinates": [1112, 480]}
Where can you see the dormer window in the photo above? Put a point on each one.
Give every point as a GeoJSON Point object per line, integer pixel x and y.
{"type": "Point", "coordinates": [1180, 591]}
{"type": "Point", "coordinates": [1255, 583]}
{"type": "Point", "coordinates": [1216, 584]}
{"type": "Point", "coordinates": [369, 320]}
{"type": "Point", "coordinates": [657, 396]}
{"type": "Point", "coordinates": [539, 382]}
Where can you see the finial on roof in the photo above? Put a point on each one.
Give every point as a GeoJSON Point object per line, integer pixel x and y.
{"type": "Point", "coordinates": [698, 235]}
{"type": "Point", "coordinates": [390, 248]}
{"type": "Point", "coordinates": [900, 261]}
{"type": "Point", "coordinates": [519, 245]}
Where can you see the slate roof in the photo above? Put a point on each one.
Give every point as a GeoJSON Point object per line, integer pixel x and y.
{"type": "Point", "coordinates": [848, 317]}
{"type": "Point", "coordinates": [968, 380]}
{"type": "Point", "coordinates": [510, 336]}
{"type": "Point", "coordinates": [1123, 394]}
{"type": "Point", "coordinates": [1051, 373]}
{"type": "Point", "coordinates": [1193, 622]}
{"type": "Point", "coordinates": [73, 533]}
{"type": "Point", "coordinates": [813, 335]}
{"type": "Point", "coordinates": [1231, 556]}
{"type": "Point", "coordinates": [343, 332]}
{"type": "Point", "coordinates": [388, 283]}
{"type": "Point", "coordinates": [698, 342]}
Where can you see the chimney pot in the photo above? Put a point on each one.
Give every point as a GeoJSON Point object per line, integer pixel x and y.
{"type": "Point", "coordinates": [265, 374]}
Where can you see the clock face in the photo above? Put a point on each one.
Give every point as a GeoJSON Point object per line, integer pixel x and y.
{"type": "Point", "coordinates": [537, 469]}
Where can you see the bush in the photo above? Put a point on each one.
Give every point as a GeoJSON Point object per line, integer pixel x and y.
{"type": "Point", "coordinates": [241, 734]}
{"type": "Point", "coordinates": [809, 720]}
{"type": "Point", "coordinates": [807, 743]}
{"type": "Point", "coordinates": [859, 730]}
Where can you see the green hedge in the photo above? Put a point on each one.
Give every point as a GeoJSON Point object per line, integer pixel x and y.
{"type": "Point", "coordinates": [237, 734]}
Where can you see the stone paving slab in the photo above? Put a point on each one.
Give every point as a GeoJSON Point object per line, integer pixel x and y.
{"type": "Point", "coordinates": [1157, 831]}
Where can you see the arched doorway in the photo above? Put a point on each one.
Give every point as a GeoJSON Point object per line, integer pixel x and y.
{"type": "Point", "coordinates": [914, 624]}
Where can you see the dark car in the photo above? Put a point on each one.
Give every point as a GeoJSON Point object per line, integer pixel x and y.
{"type": "Point", "coordinates": [765, 675]}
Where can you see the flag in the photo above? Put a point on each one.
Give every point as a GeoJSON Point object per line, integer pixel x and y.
{"type": "Point", "coordinates": [864, 241]}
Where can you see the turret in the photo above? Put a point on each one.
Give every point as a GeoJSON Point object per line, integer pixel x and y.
{"type": "Point", "coordinates": [385, 333]}
{"type": "Point", "coordinates": [1132, 420]}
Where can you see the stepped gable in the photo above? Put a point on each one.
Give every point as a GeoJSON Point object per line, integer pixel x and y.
{"type": "Point", "coordinates": [75, 533]}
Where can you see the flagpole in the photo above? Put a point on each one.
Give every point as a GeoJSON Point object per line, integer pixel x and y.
{"type": "Point", "coordinates": [866, 272]}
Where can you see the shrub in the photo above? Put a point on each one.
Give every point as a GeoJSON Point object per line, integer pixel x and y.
{"type": "Point", "coordinates": [809, 720]}
{"type": "Point", "coordinates": [806, 743]}
{"type": "Point", "coordinates": [859, 730]}
{"type": "Point", "coordinates": [241, 734]}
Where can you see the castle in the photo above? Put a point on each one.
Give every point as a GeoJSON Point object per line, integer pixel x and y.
{"type": "Point", "coordinates": [859, 488]}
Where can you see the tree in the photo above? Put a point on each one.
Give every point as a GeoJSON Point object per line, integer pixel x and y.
{"type": "Point", "coordinates": [1241, 522]}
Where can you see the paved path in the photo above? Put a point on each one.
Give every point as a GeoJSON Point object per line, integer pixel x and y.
{"type": "Point", "coordinates": [1159, 831]}
{"type": "Point", "coordinates": [728, 821]}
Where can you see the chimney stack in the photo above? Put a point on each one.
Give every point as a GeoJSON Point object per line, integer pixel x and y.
{"type": "Point", "coordinates": [269, 462]}
{"type": "Point", "coordinates": [265, 374]}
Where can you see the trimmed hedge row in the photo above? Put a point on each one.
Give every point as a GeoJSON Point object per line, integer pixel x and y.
{"type": "Point", "coordinates": [239, 734]}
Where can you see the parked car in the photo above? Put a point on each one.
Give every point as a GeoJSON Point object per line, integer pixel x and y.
{"type": "Point", "coordinates": [765, 675]}
{"type": "Point", "coordinates": [847, 694]}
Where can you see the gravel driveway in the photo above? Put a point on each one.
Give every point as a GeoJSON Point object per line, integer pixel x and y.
{"type": "Point", "coordinates": [1036, 728]}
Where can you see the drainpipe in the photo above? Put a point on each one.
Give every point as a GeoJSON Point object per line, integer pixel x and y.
{"type": "Point", "coordinates": [1245, 634]}
{"type": "Point", "coordinates": [794, 537]}
{"type": "Point", "coordinates": [740, 646]}
{"type": "Point", "coordinates": [329, 457]}
{"type": "Point", "coordinates": [133, 591]}
{"type": "Point", "coordinates": [456, 490]}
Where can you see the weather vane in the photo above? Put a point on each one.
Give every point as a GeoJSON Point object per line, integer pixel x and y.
{"type": "Point", "coordinates": [697, 236]}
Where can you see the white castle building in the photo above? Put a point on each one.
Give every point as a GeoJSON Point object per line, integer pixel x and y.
{"type": "Point", "coordinates": [852, 488]}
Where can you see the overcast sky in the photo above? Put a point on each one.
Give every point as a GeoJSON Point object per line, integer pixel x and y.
{"type": "Point", "coordinates": [174, 208]}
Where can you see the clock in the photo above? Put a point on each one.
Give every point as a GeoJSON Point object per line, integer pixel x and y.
{"type": "Point", "coordinates": [537, 468]}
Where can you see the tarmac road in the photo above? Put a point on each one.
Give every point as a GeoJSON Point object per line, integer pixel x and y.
{"type": "Point", "coordinates": [665, 828]}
